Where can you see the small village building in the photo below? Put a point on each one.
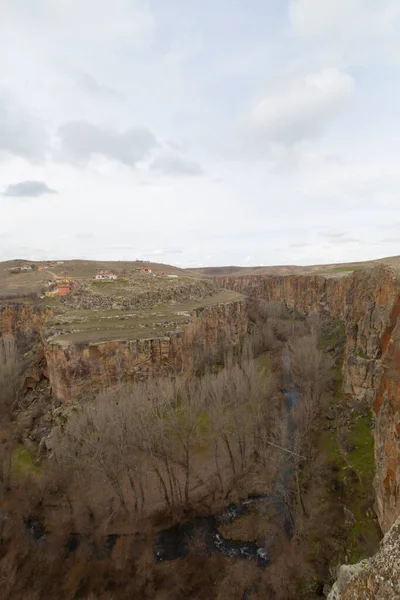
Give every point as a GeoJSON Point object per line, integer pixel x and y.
{"type": "Point", "coordinates": [105, 276]}
{"type": "Point", "coordinates": [145, 269]}
{"type": "Point", "coordinates": [63, 289]}
{"type": "Point", "coordinates": [60, 286]}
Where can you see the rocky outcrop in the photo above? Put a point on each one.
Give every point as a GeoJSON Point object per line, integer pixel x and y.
{"type": "Point", "coordinates": [21, 329]}
{"type": "Point", "coordinates": [368, 302]}
{"type": "Point", "coordinates": [374, 579]}
{"type": "Point", "coordinates": [346, 572]}
{"type": "Point", "coordinates": [19, 319]}
{"type": "Point", "coordinates": [142, 291]}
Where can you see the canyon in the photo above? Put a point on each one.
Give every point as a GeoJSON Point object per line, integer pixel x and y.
{"type": "Point", "coordinates": [366, 301]}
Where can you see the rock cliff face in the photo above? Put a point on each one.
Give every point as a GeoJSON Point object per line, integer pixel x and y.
{"type": "Point", "coordinates": [22, 319]}
{"type": "Point", "coordinates": [21, 330]}
{"type": "Point", "coordinates": [368, 302]}
{"type": "Point", "coordinates": [76, 368]}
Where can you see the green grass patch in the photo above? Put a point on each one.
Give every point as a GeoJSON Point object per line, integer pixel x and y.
{"type": "Point", "coordinates": [355, 473]}
{"type": "Point", "coordinates": [22, 462]}
{"type": "Point", "coordinates": [362, 457]}
{"type": "Point", "coordinates": [333, 337]}
{"type": "Point", "coordinates": [349, 268]}
{"type": "Point", "coordinates": [264, 363]}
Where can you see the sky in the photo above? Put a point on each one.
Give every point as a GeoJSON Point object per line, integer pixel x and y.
{"type": "Point", "coordinates": [219, 132]}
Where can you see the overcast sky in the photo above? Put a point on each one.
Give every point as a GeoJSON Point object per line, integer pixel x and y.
{"type": "Point", "coordinates": [200, 132]}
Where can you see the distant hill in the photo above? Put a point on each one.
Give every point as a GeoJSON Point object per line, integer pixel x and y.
{"type": "Point", "coordinates": [80, 270]}
{"type": "Point", "coordinates": [327, 269]}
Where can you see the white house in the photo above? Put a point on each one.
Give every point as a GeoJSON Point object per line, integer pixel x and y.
{"type": "Point", "coordinates": [105, 276]}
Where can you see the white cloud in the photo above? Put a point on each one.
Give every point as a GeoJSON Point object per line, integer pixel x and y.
{"type": "Point", "coordinates": [301, 108]}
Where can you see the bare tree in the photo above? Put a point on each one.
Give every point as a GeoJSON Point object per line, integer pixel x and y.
{"type": "Point", "coordinates": [184, 419]}
{"type": "Point", "coordinates": [93, 444]}
{"type": "Point", "coordinates": [153, 401]}
{"type": "Point", "coordinates": [311, 370]}
{"type": "Point", "coordinates": [237, 405]}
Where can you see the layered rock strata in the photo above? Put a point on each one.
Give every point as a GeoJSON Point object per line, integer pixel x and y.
{"type": "Point", "coordinates": [76, 368]}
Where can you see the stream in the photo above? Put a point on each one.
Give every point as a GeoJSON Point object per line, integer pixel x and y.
{"type": "Point", "coordinates": [202, 537]}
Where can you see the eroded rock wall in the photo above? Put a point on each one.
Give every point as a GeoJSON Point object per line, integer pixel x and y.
{"type": "Point", "coordinates": [368, 302]}
{"type": "Point", "coordinates": [19, 319]}
{"type": "Point", "coordinates": [21, 331]}
{"type": "Point", "coordinates": [77, 368]}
